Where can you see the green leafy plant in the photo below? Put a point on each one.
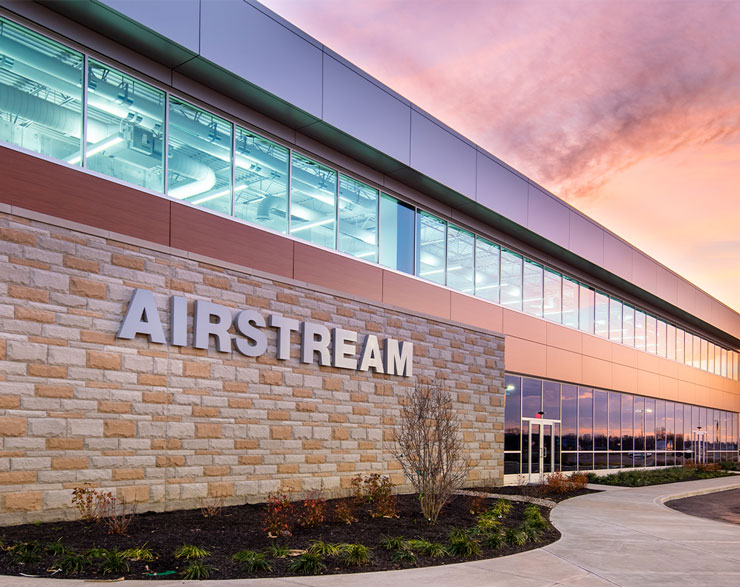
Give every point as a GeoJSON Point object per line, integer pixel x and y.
{"type": "Point", "coordinates": [277, 550]}
{"type": "Point", "coordinates": [57, 548]}
{"type": "Point", "coordinates": [493, 539]}
{"type": "Point", "coordinates": [112, 561]}
{"type": "Point", "coordinates": [252, 561]}
{"type": "Point", "coordinates": [460, 543]}
{"type": "Point", "coordinates": [308, 563]}
{"type": "Point", "coordinates": [26, 553]}
{"type": "Point", "coordinates": [197, 570]}
{"type": "Point", "coordinates": [392, 542]}
{"type": "Point", "coordinates": [190, 551]}
{"type": "Point", "coordinates": [279, 516]}
{"type": "Point", "coordinates": [487, 521]}
{"type": "Point", "coordinates": [532, 532]}
{"type": "Point", "coordinates": [533, 517]}
{"type": "Point", "coordinates": [515, 537]}
{"type": "Point", "coordinates": [323, 548]}
{"type": "Point", "coordinates": [403, 555]}
{"type": "Point", "coordinates": [71, 562]}
{"type": "Point", "coordinates": [501, 508]}
{"type": "Point", "coordinates": [354, 555]}
{"type": "Point", "coordinates": [427, 548]}
{"type": "Point", "coordinates": [141, 553]}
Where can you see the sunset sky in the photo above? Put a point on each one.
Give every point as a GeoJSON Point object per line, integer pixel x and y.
{"type": "Point", "coordinates": [628, 110]}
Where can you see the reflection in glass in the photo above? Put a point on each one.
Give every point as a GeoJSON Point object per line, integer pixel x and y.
{"type": "Point", "coordinates": [570, 302]}
{"type": "Point", "coordinates": [511, 463]}
{"type": "Point", "coordinates": [570, 416]}
{"type": "Point", "coordinates": [679, 345]}
{"type": "Point", "coordinates": [512, 413]}
{"type": "Point", "coordinates": [627, 423]}
{"type": "Point", "coordinates": [533, 278]}
{"type": "Point", "coordinates": [640, 330]}
{"type": "Point", "coordinates": [487, 262]}
{"type": "Point", "coordinates": [511, 280]}
{"type": "Point", "coordinates": [628, 323]}
{"type": "Point", "coordinates": [601, 320]}
{"type": "Point", "coordinates": [671, 342]}
{"type": "Point", "coordinates": [40, 94]}
{"type": "Point", "coordinates": [703, 364]}
{"type": "Point", "coordinates": [551, 400]}
{"type": "Point", "coordinates": [651, 334]}
{"type": "Point", "coordinates": [199, 157]}
{"type": "Point", "coordinates": [662, 338]}
{"type": "Point", "coordinates": [396, 234]}
{"type": "Point", "coordinates": [639, 420]}
{"type": "Point", "coordinates": [358, 219]}
{"type": "Point", "coordinates": [660, 425]}
{"type": "Point", "coordinates": [614, 430]}
{"type": "Point", "coordinates": [689, 349]}
{"type": "Point", "coordinates": [532, 397]}
{"type": "Point", "coordinates": [431, 239]}
{"type": "Point", "coordinates": [125, 127]}
{"type": "Point", "coordinates": [553, 295]}
{"type": "Point", "coordinates": [585, 418]}
{"type": "Point", "coordinates": [586, 308]}
{"type": "Point", "coordinates": [649, 424]}
{"type": "Point", "coordinates": [697, 352]}
{"type": "Point", "coordinates": [313, 201]}
{"type": "Point", "coordinates": [600, 419]}
{"type": "Point", "coordinates": [615, 320]}
{"type": "Point", "coordinates": [460, 259]}
{"type": "Point", "coordinates": [261, 172]}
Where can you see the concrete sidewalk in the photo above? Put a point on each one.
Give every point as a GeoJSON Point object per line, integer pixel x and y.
{"type": "Point", "coordinates": [618, 537]}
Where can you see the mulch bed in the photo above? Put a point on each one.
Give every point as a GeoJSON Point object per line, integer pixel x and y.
{"type": "Point", "coordinates": [536, 491]}
{"type": "Point", "coordinates": [722, 505]}
{"type": "Point", "coordinates": [240, 527]}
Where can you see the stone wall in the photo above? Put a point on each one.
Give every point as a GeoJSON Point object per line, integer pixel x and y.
{"type": "Point", "coordinates": [169, 426]}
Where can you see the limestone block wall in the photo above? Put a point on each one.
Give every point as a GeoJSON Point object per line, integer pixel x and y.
{"type": "Point", "coordinates": [168, 426]}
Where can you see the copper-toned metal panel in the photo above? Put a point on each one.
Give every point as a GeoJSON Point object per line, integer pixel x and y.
{"type": "Point", "coordinates": [206, 234]}
{"type": "Point", "coordinates": [476, 312]}
{"type": "Point", "coordinates": [42, 186]}
{"type": "Point", "coordinates": [327, 269]}
{"type": "Point", "coordinates": [415, 295]}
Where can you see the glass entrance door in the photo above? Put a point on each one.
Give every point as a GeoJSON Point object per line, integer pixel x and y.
{"type": "Point", "coordinates": [539, 456]}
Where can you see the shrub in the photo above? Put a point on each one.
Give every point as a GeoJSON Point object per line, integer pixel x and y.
{"type": "Point", "coordinates": [427, 548]}
{"type": "Point", "coordinates": [344, 511]}
{"type": "Point", "coordinates": [92, 504]}
{"type": "Point", "coordinates": [112, 561]}
{"type": "Point", "coordinates": [197, 570]}
{"type": "Point", "coordinates": [323, 548]}
{"type": "Point", "coordinates": [460, 543]}
{"type": "Point", "coordinates": [533, 533]}
{"type": "Point", "coordinates": [141, 553]}
{"type": "Point", "coordinates": [252, 561]}
{"type": "Point", "coordinates": [476, 504]}
{"type": "Point", "coordinates": [377, 491]}
{"type": "Point", "coordinates": [26, 552]}
{"type": "Point", "coordinates": [429, 447]}
{"type": "Point", "coordinates": [533, 516]}
{"type": "Point", "coordinates": [487, 522]}
{"type": "Point", "coordinates": [559, 483]}
{"type": "Point", "coordinates": [211, 507]}
{"type": "Point", "coordinates": [278, 550]}
{"type": "Point", "coordinates": [493, 539]}
{"type": "Point", "coordinates": [118, 516]}
{"type": "Point", "coordinates": [313, 511]}
{"type": "Point", "coordinates": [71, 562]}
{"type": "Point", "coordinates": [638, 478]}
{"type": "Point", "coordinates": [501, 508]}
{"type": "Point", "coordinates": [190, 551]}
{"type": "Point", "coordinates": [279, 516]}
{"type": "Point", "coordinates": [308, 564]}
{"type": "Point", "coordinates": [514, 537]}
{"type": "Point", "coordinates": [403, 555]}
{"type": "Point", "coordinates": [392, 542]}
{"type": "Point", "coordinates": [57, 548]}
{"type": "Point", "coordinates": [354, 555]}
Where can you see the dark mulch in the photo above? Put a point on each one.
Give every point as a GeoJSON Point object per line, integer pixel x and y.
{"type": "Point", "coordinates": [537, 491]}
{"type": "Point", "coordinates": [722, 505]}
{"type": "Point", "coordinates": [240, 527]}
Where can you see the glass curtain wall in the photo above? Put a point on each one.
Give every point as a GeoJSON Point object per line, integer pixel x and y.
{"type": "Point", "coordinates": [608, 429]}
{"type": "Point", "coordinates": [149, 138]}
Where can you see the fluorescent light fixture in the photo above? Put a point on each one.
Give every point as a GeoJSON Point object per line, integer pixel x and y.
{"type": "Point", "coordinates": [225, 192]}
{"type": "Point", "coordinates": [312, 225]}
{"type": "Point", "coordinates": [433, 272]}
{"type": "Point", "coordinates": [101, 146]}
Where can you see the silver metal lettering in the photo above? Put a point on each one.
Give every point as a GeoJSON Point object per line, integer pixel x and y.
{"type": "Point", "coordinates": [370, 356]}
{"type": "Point", "coordinates": [142, 318]}
{"type": "Point", "coordinates": [203, 327]}
{"type": "Point", "coordinates": [344, 344]}
{"type": "Point", "coordinates": [178, 321]}
{"type": "Point", "coordinates": [284, 327]}
{"type": "Point", "coordinates": [399, 357]}
{"type": "Point", "coordinates": [315, 338]}
{"type": "Point", "coordinates": [248, 324]}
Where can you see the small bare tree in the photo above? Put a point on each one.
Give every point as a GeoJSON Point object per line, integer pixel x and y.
{"type": "Point", "coordinates": [429, 447]}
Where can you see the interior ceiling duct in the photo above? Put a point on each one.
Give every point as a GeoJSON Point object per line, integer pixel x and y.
{"type": "Point", "coordinates": [41, 111]}
{"type": "Point", "coordinates": [203, 176]}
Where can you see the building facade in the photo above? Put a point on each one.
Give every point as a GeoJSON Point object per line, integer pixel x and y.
{"type": "Point", "coordinates": [228, 255]}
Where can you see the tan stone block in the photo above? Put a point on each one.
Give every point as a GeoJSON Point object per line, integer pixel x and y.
{"type": "Point", "coordinates": [181, 285]}
{"type": "Point", "coordinates": [17, 236]}
{"type": "Point", "coordinates": [129, 261]}
{"type": "Point", "coordinates": [196, 369]}
{"type": "Point", "coordinates": [345, 467]}
{"type": "Point", "coordinates": [209, 430]}
{"type": "Point", "coordinates": [235, 386]}
{"type": "Point", "coordinates": [87, 265]}
{"type": "Point", "coordinates": [368, 458]}
{"type": "Point", "coordinates": [303, 392]}
{"type": "Point", "coordinates": [63, 391]}
{"type": "Point", "coordinates": [133, 494]}
{"type": "Point", "coordinates": [64, 443]}
{"type": "Point", "coordinates": [109, 407]}
{"type": "Point", "coordinates": [154, 397]}
{"type": "Point", "coordinates": [3, 348]}
{"type": "Point", "coordinates": [28, 293]}
{"type": "Point", "coordinates": [321, 315]}
{"type": "Point", "coordinates": [313, 459]}
{"type": "Point", "coordinates": [97, 337]}
{"type": "Point", "coordinates": [87, 288]}
{"type": "Point", "coordinates": [151, 379]}
{"type": "Point", "coordinates": [51, 371]}
{"type": "Point", "coordinates": [338, 418]}
{"type": "Point", "coordinates": [216, 471]}
{"type": "Point", "coordinates": [246, 444]}
{"type": "Point", "coordinates": [269, 377]}
{"type": "Point", "coordinates": [128, 474]}
{"type": "Point", "coordinates": [278, 415]}
{"type": "Point", "coordinates": [171, 461]}
{"type": "Point", "coordinates": [241, 403]}
{"type": "Point", "coordinates": [222, 489]}
{"type": "Point", "coordinates": [340, 433]}
{"type": "Point", "coordinates": [9, 402]}
{"type": "Point", "coordinates": [34, 315]}
{"type": "Point", "coordinates": [332, 384]}
{"type": "Point", "coordinates": [304, 407]}
{"type": "Point", "coordinates": [69, 463]}
{"type": "Point", "coordinates": [280, 433]}
{"type": "Point", "coordinates": [10, 426]}
{"type": "Point", "coordinates": [250, 459]}
{"type": "Point", "coordinates": [311, 445]}
{"type": "Point", "coordinates": [205, 412]}
{"type": "Point", "coordinates": [217, 281]}
{"type": "Point", "coordinates": [103, 360]}
{"type": "Point", "coordinates": [165, 443]}
{"type": "Point", "coordinates": [17, 477]}
{"type": "Point", "coordinates": [287, 468]}
{"type": "Point", "coordinates": [361, 411]}
{"type": "Point", "coordinates": [119, 429]}
{"type": "Point", "coordinates": [22, 501]}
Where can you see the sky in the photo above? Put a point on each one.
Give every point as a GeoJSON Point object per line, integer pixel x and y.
{"type": "Point", "coordinates": [628, 110]}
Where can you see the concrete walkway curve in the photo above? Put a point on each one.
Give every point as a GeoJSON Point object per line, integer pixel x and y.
{"type": "Point", "coordinates": [620, 536]}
